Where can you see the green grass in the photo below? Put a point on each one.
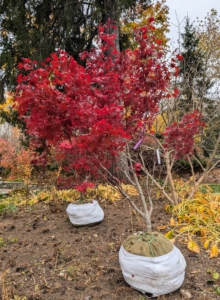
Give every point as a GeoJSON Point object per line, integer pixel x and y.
{"type": "Point", "coordinates": [2, 242]}
{"type": "Point", "coordinates": [215, 188]}
{"type": "Point", "coordinates": [7, 207]}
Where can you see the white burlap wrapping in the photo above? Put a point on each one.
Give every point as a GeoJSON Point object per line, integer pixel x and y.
{"type": "Point", "coordinates": [153, 276]}
{"type": "Point", "coordinates": [85, 214]}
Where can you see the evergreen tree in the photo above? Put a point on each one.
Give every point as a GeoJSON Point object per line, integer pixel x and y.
{"type": "Point", "coordinates": [194, 83]}
{"type": "Point", "coordinates": [36, 28]}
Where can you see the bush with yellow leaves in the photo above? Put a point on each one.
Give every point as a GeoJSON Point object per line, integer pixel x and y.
{"type": "Point", "coordinates": [101, 193]}
{"type": "Point", "coordinates": [198, 217]}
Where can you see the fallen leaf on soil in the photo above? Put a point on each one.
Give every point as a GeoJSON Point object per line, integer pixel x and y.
{"type": "Point", "coordinates": [192, 246]}
{"type": "Point", "coordinates": [215, 275]}
{"type": "Point", "coordinates": [62, 273]}
{"type": "Point", "coordinates": [186, 294]}
{"type": "Point", "coordinates": [161, 227]}
{"type": "Point", "coordinates": [214, 251]}
{"type": "Point", "coordinates": [206, 244]}
{"type": "Point", "coordinates": [172, 222]}
{"type": "Point", "coordinates": [169, 234]}
{"type": "Point", "coordinates": [195, 272]}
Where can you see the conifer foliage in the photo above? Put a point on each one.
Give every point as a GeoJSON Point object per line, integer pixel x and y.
{"type": "Point", "coordinates": [194, 82]}
{"type": "Point", "coordinates": [34, 29]}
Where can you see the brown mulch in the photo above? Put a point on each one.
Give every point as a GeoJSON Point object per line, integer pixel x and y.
{"type": "Point", "coordinates": [214, 177]}
{"type": "Point", "coordinates": [46, 258]}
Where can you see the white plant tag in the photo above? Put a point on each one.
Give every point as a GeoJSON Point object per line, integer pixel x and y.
{"type": "Point", "coordinates": [158, 156]}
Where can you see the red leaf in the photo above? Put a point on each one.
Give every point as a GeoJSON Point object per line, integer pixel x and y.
{"type": "Point", "coordinates": [84, 186]}
{"type": "Point", "coordinates": [180, 57]}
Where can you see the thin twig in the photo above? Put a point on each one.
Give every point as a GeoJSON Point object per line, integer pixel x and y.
{"type": "Point", "coordinates": [145, 170]}
{"type": "Point", "coordinates": [207, 169]}
{"type": "Point", "coordinates": [199, 162]}
{"type": "Point", "coordinates": [55, 266]}
{"type": "Point", "coordinates": [132, 224]}
{"type": "Point", "coordinates": [192, 170]}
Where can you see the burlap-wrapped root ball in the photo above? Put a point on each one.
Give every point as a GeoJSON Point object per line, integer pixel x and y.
{"type": "Point", "coordinates": [85, 214]}
{"type": "Point", "coordinates": [151, 264]}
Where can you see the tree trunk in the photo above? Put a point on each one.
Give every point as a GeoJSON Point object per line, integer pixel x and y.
{"type": "Point", "coordinates": [147, 224]}
{"type": "Point", "coordinates": [110, 11]}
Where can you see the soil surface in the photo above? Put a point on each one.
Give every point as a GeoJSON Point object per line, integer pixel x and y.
{"type": "Point", "coordinates": [44, 257]}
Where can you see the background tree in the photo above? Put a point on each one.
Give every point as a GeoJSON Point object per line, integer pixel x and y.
{"type": "Point", "coordinates": [209, 41]}
{"type": "Point", "coordinates": [138, 16]}
{"type": "Point", "coordinates": [209, 34]}
{"type": "Point", "coordinates": [15, 160]}
{"type": "Point", "coordinates": [198, 89]}
{"type": "Point", "coordinates": [193, 82]}
{"type": "Point", "coordinates": [35, 29]}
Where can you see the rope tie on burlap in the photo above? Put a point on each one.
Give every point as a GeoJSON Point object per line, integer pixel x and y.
{"type": "Point", "coordinates": [145, 238]}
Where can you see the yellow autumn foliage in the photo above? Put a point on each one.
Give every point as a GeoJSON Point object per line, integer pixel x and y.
{"type": "Point", "coordinates": [192, 246]}
{"type": "Point", "coordinates": [214, 251]}
{"type": "Point", "coordinates": [160, 123]}
{"type": "Point", "coordinates": [209, 34]}
{"type": "Point", "coordinates": [172, 222]}
{"type": "Point", "coordinates": [206, 244]}
{"type": "Point", "coordinates": [101, 192]}
{"type": "Point", "coordinates": [6, 107]}
{"type": "Point", "coordinates": [198, 217]}
{"type": "Point", "coordinates": [169, 234]}
{"type": "Point", "coordinates": [159, 11]}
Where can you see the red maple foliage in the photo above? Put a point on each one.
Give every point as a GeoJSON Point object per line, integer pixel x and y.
{"type": "Point", "coordinates": [84, 186]}
{"type": "Point", "coordinates": [180, 136]}
{"type": "Point", "coordinates": [89, 113]}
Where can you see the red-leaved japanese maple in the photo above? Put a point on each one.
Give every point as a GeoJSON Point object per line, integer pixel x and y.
{"type": "Point", "coordinates": [180, 136]}
{"type": "Point", "coordinates": [92, 114]}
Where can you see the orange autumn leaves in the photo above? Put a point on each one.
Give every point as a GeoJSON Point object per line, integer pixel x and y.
{"type": "Point", "coordinates": [14, 157]}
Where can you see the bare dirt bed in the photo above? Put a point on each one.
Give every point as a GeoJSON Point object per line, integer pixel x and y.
{"type": "Point", "coordinates": [43, 257]}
